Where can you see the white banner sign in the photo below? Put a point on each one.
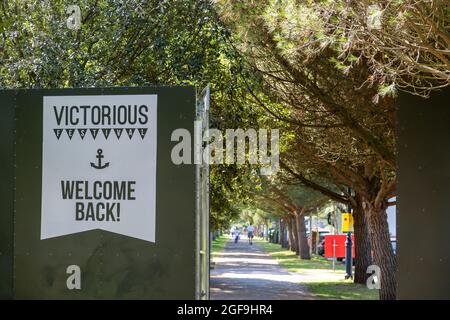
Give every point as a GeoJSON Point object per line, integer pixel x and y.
{"type": "Point", "coordinates": [99, 165]}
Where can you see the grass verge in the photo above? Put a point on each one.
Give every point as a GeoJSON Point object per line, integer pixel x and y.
{"type": "Point", "coordinates": [319, 276]}
{"type": "Point", "coordinates": [218, 244]}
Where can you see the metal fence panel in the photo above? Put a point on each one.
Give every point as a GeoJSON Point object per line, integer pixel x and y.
{"type": "Point", "coordinates": [202, 200]}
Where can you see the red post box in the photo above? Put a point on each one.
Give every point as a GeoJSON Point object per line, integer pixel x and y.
{"type": "Point", "coordinates": [338, 243]}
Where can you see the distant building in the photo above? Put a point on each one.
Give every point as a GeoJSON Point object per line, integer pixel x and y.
{"type": "Point", "coordinates": [392, 218]}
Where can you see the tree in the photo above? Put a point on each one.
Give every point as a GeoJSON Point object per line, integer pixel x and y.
{"type": "Point", "coordinates": [291, 203]}
{"type": "Point", "coordinates": [404, 41]}
{"type": "Point", "coordinates": [339, 194]}
{"type": "Point", "coordinates": [339, 131]}
{"type": "Point", "coordinates": [178, 42]}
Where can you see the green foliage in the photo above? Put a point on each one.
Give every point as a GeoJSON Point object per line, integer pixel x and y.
{"type": "Point", "coordinates": [133, 43]}
{"type": "Point", "coordinates": [119, 43]}
{"type": "Point", "coordinates": [183, 42]}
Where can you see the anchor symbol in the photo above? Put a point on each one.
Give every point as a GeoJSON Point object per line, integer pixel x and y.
{"type": "Point", "coordinates": [99, 165]}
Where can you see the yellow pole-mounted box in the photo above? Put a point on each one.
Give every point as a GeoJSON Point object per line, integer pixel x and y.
{"type": "Point", "coordinates": [347, 222]}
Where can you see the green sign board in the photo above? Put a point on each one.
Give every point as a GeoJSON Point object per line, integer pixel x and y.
{"type": "Point", "coordinates": [92, 207]}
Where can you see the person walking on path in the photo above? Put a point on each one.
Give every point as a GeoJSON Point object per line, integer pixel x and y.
{"type": "Point", "coordinates": [250, 230]}
{"type": "Point", "coordinates": [236, 234]}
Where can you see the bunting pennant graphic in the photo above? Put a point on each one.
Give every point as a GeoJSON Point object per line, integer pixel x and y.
{"type": "Point", "coordinates": [142, 132]}
{"type": "Point", "coordinates": [58, 133]}
{"type": "Point", "coordinates": [130, 132]}
{"type": "Point", "coordinates": [70, 133]}
{"type": "Point", "coordinates": [82, 133]}
{"type": "Point", "coordinates": [118, 132]}
{"type": "Point", "coordinates": [106, 132]}
{"type": "Point", "coordinates": [94, 133]}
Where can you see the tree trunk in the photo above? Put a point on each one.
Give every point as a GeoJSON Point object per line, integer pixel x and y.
{"type": "Point", "coordinates": [383, 254]}
{"type": "Point", "coordinates": [282, 234]}
{"type": "Point", "coordinates": [363, 250]}
{"type": "Point", "coordinates": [301, 236]}
{"type": "Point", "coordinates": [287, 223]}
{"type": "Point", "coordinates": [295, 235]}
{"type": "Point", "coordinates": [279, 229]}
{"type": "Point", "coordinates": [290, 234]}
{"type": "Point", "coordinates": [266, 231]}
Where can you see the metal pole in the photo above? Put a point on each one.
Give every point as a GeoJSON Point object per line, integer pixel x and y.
{"type": "Point", "coordinates": [203, 235]}
{"type": "Point", "coordinates": [310, 235]}
{"type": "Point", "coordinates": [206, 209]}
{"type": "Point", "coordinates": [198, 188]}
{"type": "Point", "coordinates": [348, 247]}
{"type": "Point", "coordinates": [317, 233]}
{"type": "Point", "coordinates": [348, 257]}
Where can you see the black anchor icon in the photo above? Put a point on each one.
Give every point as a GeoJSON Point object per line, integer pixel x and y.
{"type": "Point", "coordinates": [99, 165]}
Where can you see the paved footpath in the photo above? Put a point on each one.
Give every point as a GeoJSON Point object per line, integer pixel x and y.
{"type": "Point", "coordinates": [244, 271]}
